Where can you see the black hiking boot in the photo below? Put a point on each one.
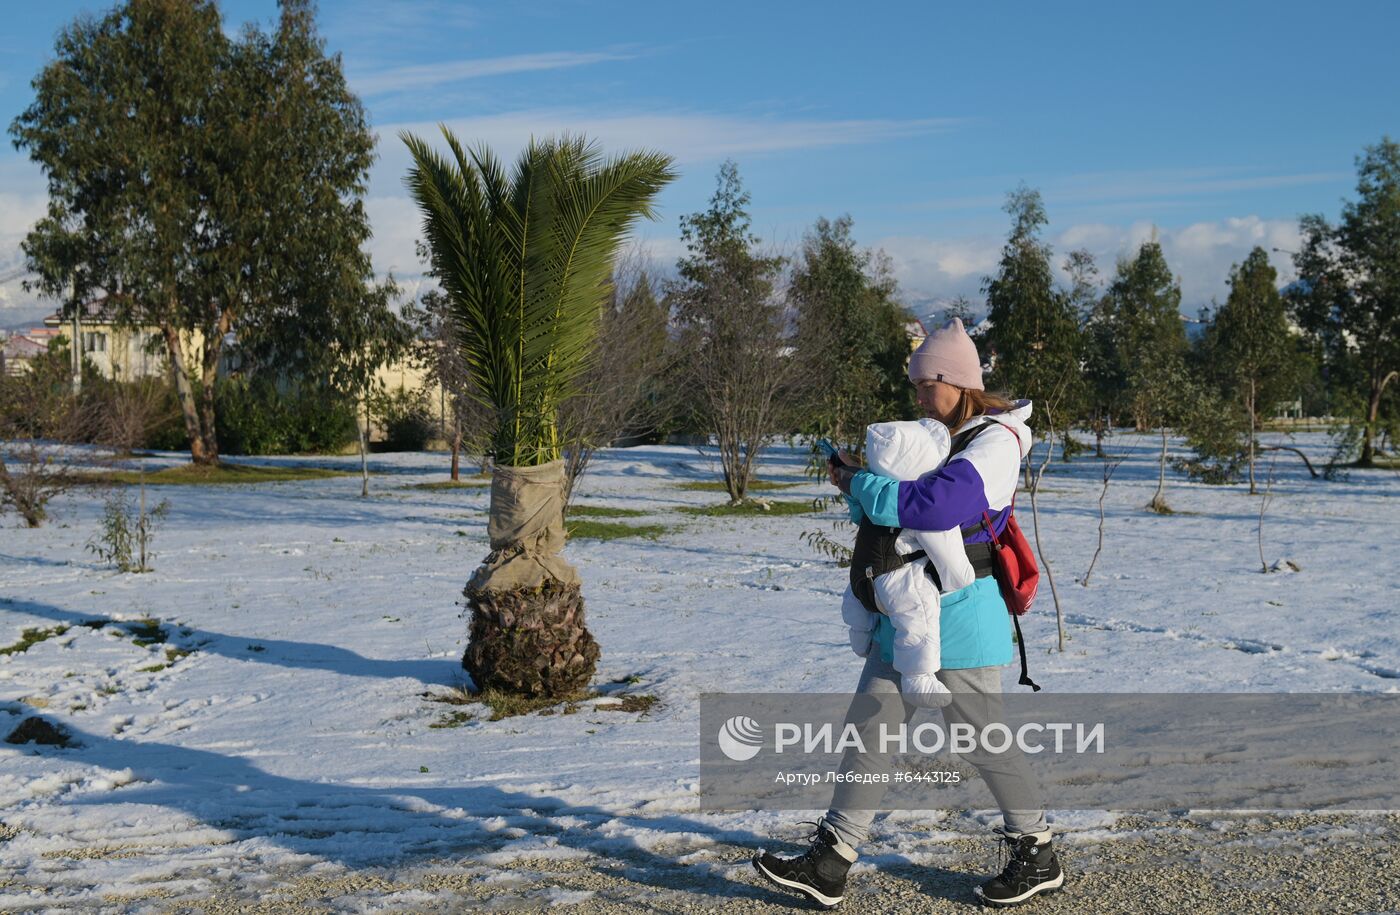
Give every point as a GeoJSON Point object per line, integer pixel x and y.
{"type": "Point", "coordinates": [1032, 869]}
{"type": "Point", "coordinates": [820, 874]}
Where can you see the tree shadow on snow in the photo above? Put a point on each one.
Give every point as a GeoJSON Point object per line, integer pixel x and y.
{"type": "Point", "coordinates": [391, 826]}
{"type": "Point", "coordinates": [278, 652]}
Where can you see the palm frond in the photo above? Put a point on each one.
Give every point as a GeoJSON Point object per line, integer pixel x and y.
{"type": "Point", "coordinates": [525, 259]}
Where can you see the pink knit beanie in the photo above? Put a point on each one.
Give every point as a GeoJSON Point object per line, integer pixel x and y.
{"type": "Point", "coordinates": [948, 354]}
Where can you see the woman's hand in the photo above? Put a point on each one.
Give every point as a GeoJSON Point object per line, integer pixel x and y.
{"type": "Point", "coordinates": [840, 474]}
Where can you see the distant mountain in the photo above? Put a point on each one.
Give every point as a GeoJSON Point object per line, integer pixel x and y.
{"type": "Point", "coordinates": [23, 316]}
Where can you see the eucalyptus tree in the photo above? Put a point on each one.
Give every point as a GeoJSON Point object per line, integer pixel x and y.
{"type": "Point", "coordinates": [209, 186]}
{"type": "Point", "coordinates": [524, 259]}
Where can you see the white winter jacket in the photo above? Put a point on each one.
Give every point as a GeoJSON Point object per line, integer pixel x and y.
{"type": "Point", "coordinates": [909, 451]}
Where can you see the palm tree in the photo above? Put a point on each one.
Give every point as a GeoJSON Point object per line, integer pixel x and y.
{"type": "Point", "coordinates": [525, 259]}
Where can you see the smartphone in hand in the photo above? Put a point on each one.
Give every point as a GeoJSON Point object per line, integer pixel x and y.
{"type": "Point", "coordinates": [827, 448]}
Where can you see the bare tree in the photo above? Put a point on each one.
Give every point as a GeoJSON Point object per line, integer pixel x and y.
{"type": "Point", "coordinates": [466, 420]}
{"type": "Point", "coordinates": [39, 417]}
{"type": "Point", "coordinates": [1047, 411]}
{"type": "Point", "coordinates": [130, 409]}
{"type": "Point", "coordinates": [1264, 507]}
{"type": "Point", "coordinates": [1108, 468]}
{"type": "Point", "coordinates": [618, 394]}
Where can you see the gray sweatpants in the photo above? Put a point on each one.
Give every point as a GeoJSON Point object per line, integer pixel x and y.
{"type": "Point", "coordinates": [977, 701]}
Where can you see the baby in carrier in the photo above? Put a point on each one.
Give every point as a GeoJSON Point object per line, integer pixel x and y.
{"type": "Point", "coordinates": [890, 567]}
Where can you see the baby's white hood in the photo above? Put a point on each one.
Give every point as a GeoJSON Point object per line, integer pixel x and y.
{"type": "Point", "coordinates": [906, 450]}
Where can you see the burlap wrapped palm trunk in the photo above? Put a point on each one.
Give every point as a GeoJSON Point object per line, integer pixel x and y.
{"type": "Point", "coordinates": [527, 631]}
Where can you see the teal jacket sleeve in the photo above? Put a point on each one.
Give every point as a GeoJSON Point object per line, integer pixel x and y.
{"type": "Point", "coordinates": [856, 512]}
{"type": "Point", "coordinates": [877, 496]}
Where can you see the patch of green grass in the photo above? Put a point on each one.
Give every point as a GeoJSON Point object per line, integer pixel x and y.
{"type": "Point", "coordinates": [641, 703]}
{"type": "Point", "coordinates": [750, 508]}
{"type": "Point", "coordinates": [612, 530]}
{"type": "Point", "coordinates": [476, 483]}
{"type": "Point", "coordinates": [452, 720]}
{"type": "Point", "coordinates": [718, 485]}
{"type": "Point", "coordinates": [603, 511]}
{"type": "Point", "coordinates": [173, 654]}
{"type": "Point", "coordinates": [153, 669]}
{"type": "Point", "coordinates": [145, 632]}
{"type": "Point", "coordinates": [31, 637]}
{"type": "Point", "coordinates": [198, 475]}
{"type": "Point", "coordinates": [509, 705]}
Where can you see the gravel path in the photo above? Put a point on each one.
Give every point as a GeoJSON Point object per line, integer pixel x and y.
{"type": "Point", "coordinates": [1143, 864]}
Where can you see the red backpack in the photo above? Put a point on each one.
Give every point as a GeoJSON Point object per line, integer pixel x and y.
{"type": "Point", "coordinates": [1013, 563]}
{"type": "Point", "coordinates": [1016, 572]}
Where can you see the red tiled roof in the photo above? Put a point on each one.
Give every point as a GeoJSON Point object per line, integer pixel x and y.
{"type": "Point", "coordinates": [24, 346]}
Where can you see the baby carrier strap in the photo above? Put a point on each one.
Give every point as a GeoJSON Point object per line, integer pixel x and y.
{"type": "Point", "coordinates": [876, 553]}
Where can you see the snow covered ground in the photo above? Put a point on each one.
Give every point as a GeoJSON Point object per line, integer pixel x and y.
{"type": "Point", "coordinates": [268, 729]}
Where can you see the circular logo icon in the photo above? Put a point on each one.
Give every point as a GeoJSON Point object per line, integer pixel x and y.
{"type": "Point", "coordinates": [740, 738]}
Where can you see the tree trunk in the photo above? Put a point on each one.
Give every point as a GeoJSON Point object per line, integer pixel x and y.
{"type": "Point", "coordinates": [184, 392]}
{"type": "Point", "coordinates": [530, 642]}
{"type": "Point", "coordinates": [206, 415]}
{"type": "Point", "coordinates": [1373, 408]}
{"type": "Point", "coordinates": [1159, 503]}
{"type": "Point", "coordinates": [527, 631]}
{"type": "Point", "coordinates": [456, 452]}
{"type": "Point", "coordinates": [363, 423]}
{"type": "Point", "coordinates": [1039, 548]}
{"type": "Point", "coordinates": [1249, 408]}
{"type": "Point", "coordinates": [209, 375]}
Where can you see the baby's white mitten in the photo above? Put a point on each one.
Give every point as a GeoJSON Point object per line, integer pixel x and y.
{"type": "Point", "coordinates": [861, 621]}
{"type": "Point", "coordinates": [925, 691]}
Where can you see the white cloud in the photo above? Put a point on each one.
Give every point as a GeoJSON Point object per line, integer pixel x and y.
{"type": "Point", "coordinates": [18, 213]}
{"type": "Point", "coordinates": [689, 137]}
{"type": "Point", "coordinates": [1200, 255]}
{"type": "Point", "coordinates": [398, 79]}
{"type": "Point", "coordinates": [941, 268]}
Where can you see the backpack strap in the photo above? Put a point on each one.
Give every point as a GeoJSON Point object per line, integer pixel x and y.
{"type": "Point", "coordinates": [1021, 644]}
{"type": "Point", "coordinates": [985, 523]}
{"type": "Point", "coordinates": [961, 441]}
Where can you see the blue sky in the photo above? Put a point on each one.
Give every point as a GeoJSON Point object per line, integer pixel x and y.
{"type": "Point", "coordinates": [1211, 125]}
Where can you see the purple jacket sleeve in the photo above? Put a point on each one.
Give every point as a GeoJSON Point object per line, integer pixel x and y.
{"type": "Point", "coordinates": [950, 498]}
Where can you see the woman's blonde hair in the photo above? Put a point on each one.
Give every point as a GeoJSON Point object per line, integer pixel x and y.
{"type": "Point", "coordinates": [975, 403]}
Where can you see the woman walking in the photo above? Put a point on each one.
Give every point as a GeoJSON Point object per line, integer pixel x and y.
{"type": "Point", "coordinates": [975, 630]}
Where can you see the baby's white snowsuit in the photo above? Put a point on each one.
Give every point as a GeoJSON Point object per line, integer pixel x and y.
{"type": "Point", "coordinates": [907, 595]}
